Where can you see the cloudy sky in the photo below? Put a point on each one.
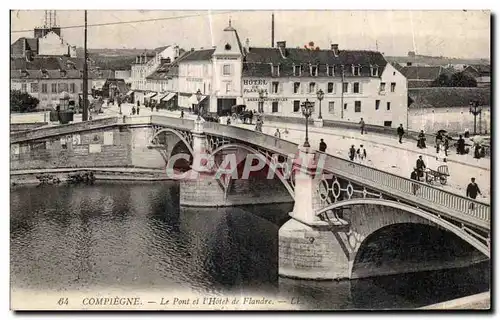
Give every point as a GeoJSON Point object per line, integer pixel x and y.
{"type": "Point", "coordinates": [463, 34]}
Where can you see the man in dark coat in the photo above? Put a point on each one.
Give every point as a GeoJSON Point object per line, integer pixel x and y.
{"type": "Point", "coordinates": [414, 176]}
{"type": "Point", "coordinates": [460, 145]}
{"type": "Point", "coordinates": [401, 132]}
{"type": "Point", "coordinates": [420, 167]}
{"type": "Point", "coordinates": [473, 191]}
{"type": "Point", "coordinates": [421, 140]}
{"type": "Point", "coordinates": [352, 153]}
{"type": "Point", "coordinates": [322, 146]}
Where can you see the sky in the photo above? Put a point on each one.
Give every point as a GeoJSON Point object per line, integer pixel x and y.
{"type": "Point", "coordinates": [459, 33]}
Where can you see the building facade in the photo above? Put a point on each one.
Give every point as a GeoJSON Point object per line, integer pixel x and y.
{"type": "Point", "coordinates": [356, 84]}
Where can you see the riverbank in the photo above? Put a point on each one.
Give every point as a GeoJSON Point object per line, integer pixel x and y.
{"type": "Point", "coordinates": [60, 175]}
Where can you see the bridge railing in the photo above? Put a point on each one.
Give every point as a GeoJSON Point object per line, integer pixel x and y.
{"type": "Point", "coordinates": [251, 137]}
{"type": "Point", "coordinates": [424, 191]}
{"type": "Point", "coordinates": [180, 123]}
{"type": "Point", "coordinates": [39, 133]}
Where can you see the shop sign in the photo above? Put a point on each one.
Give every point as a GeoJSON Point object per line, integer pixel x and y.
{"type": "Point", "coordinates": [267, 99]}
{"type": "Point", "coordinates": [194, 79]}
{"type": "Point", "coordinates": [254, 85]}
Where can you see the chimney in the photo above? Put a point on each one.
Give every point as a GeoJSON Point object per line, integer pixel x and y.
{"type": "Point", "coordinates": [192, 49]}
{"type": "Point", "coordinates": [335, 49]}
{"type": "Point", "coordinates": [408, 64]}
{"type": "Point", "coordinates": [247, 45]}
{"type": "Point", "coordinates": [272, 30]}
{"type": "Point", "coordinates": [281, 44]}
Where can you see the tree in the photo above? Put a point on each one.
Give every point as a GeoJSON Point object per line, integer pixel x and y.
{"type": "Point", "coordinates": [22, 101]}
{"type": "Point", "coordinates": [442, 81]}
{"type": "Point", "coordinates": [461, 79]}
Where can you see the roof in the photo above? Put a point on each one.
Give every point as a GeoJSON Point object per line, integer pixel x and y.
{"type": "Point", "coordinates": [160, 49]}
{"type": "Point", "coordinates": [49, 74]}
{"type": "Point", "coordinates": [443, 97]}
{"type": "Point", "coordinates": [197, 55]}
{"type": "Point", "coordinates": [422, 73]}
{"type": "Point", "coordinates": [482, 69]}
{"type": "Point", "coordinates": [46, 62]}
{"type": "Point", "coordinates": [258, 61]}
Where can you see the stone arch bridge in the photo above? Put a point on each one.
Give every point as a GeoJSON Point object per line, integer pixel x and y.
{"type": "Point", "coordinates": [338, 205]}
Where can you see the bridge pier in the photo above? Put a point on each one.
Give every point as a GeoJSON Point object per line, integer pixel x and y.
{"type": "Point", "coordinates": [308, 247]}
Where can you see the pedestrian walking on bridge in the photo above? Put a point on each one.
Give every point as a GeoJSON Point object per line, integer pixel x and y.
{"type": "Point", "coordinates": [352, 153]}
{"type": "Point", "coordinates": [322, 146]}
{"type": "Point", "coordinates": [277, 134]}
{"type": "Point", "coordinates": [362, 124]}
{"type": "Point", "coordinates": [401, 132]}
{"type": "Point", "coordinates": [472, 191]}
{"type": "Point", "coordinates": [414, 176]}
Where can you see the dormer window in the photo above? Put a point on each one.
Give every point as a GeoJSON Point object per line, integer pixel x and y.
{"type": "Point", "coordinates": [296, 71]}
{"type": "Point", "coordinates": [356, 70]}
{"type": "Point", "coordinates": [314, 71]}
{"type": "Point", "coordinates": [62, 73]}
{"type": "Point", "coordinates": [330, 71]}
{"type": "Point", "coordinates": [24, 74]}
{"type": "Point", "coordinates": [45, 74]}
{"type": "Point", "coordinates": [374, 70]}
{"type": "Point", "coordinates": [275, 70]}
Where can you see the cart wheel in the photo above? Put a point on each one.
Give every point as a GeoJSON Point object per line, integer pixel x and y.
{"type": "Point", "coordinates": [442, 180]}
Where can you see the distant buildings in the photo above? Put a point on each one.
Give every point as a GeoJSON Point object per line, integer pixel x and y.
{"type": "Point", "coordinates": [423, 76]}
{"type": "Point", "coordinates": [482, 74]}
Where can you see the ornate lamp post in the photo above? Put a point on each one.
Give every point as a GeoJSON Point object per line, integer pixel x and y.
{"type": "Point", "coordinates": [474, 105]}
{"type": "Point", "coordinates": [307, 111]}
{"type": "Point", "coordinates": [320, 94]}
{"type": "Point", "coordinates": [198, 97]}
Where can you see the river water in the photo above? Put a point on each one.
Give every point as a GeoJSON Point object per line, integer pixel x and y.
{"type": "Point", "coordinates": [136, 237]}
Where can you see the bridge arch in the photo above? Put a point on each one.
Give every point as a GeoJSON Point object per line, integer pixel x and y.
{"type": "Point", "coordinates": [176, 133]}
{"type": "Point", "coordinates": [472, 239]}
{"type": "Point", "coordinates": [287, 183]}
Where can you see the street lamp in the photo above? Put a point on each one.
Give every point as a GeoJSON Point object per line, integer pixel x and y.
{"type": "Point", "coordinates": [475, 104]}
{"type": "Point", "coordinates": [198, 97]}
{"type": "Point", "coordinates": [262, 95]}
{"type": "Point", "coordinates": [307, 108]}
{"type": "Point", "coordinates": [320, 95]}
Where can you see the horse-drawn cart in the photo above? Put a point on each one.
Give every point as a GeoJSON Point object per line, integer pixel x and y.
{"type": "Point", "coordinates": [239, 112]}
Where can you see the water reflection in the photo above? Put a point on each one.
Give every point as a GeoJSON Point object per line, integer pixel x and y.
{"type": "Point", "coordinates": [135, 236]}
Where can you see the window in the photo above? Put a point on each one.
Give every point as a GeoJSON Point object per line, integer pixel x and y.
{"type": "Point", "coordinates": [329, 88]}
{"type": "Point", "coordinates": [226, 70]}
{"type": "Point", "coordinates": [382, 86]}
{"type": "Point", "coordinates": [387, 123]}
{"type": "Point", "coordinates": [314, 71]}
{"type": "Point", "coordinates": [228, 87]}
{"type": "Point", "coordinates": [357, 106]}
{"type": "Point", "coordinates": [330, 71]}
{"type": "Point", "coordinates": [374, 71]}
{"type": "Point", "coordinates": [377, 104]}
{"type": "Point", "coordinates": [312, 87]}
{"type": "Point", "coordinates": [72, 88]}
{"type": "Point", "coordinates": [345, 106]}
{"type": "Point", "coordinates": [296, 87]}
{"type": "Point", "coordinates": [34, 87]}
{"type": "Point", "coordinates": [275, 87]}
{"type": "Point", "coordinates": [388, 106]}
{"type": "Point", "coordinates": [44, 88]}
{"type": "Point", "coordinates": [331, 107]}
{"type": "Point", "coordinates": [296, 106]}
{"type": "Point", "coordinates": [23, 87]}
{"type": "Point", "coordinates": [355, 87]}
{"type": "Point", "coordinates": [345, 87]}
{"type": "Point", "coordinates": [393, 86]}
{"type": "Point", "coordinates": [356, 70]}
{"type": "Point", "coordinates": [275, 70]}
{"type": "Point", "coordinates": [62, 87]}
{"type": "Point", "coordinates": [275, 106]}
{"type": "Point", "coordinates": [296, 71]}
{"type": "Point", "coordinates": [53, 87]}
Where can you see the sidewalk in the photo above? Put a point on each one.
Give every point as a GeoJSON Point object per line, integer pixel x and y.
{"type": "Point", "coordinates": [409, 145]}
{"type": "Point", "coordinates": [385, 153]}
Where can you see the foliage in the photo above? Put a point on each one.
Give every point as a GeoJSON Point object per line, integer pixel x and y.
{"type": "Point", "coordinates": [458, 79]}
{"type": "Point", "coordinates": [22, 101]}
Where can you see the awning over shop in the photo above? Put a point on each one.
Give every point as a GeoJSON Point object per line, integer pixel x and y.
{"type": "Point", "coordinates": [150, 95]}
{"type": "Point", "coordinates": [193, 99]}
{"type": "Point", "coordinates": [160, 96]}
{"type": "Point", "coordinates": [169, 96]}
